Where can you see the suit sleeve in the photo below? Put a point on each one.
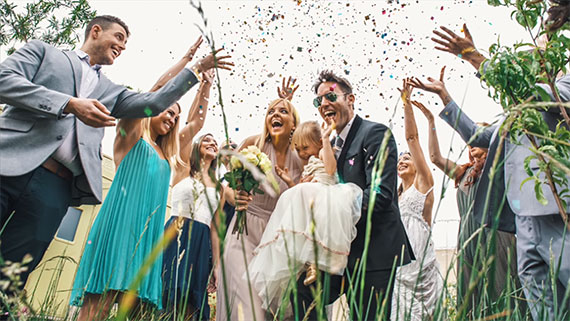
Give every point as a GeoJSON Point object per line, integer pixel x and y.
{"type": "Point", "coordinates": [386, 189]}
{"type": "Point", "coordinates": [470, 132]}
{"type": "Point", "coordinates": [17, 88]}
{"type": "Point", "coordinates": [131, 104]}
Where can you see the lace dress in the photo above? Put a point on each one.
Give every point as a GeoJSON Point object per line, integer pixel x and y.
{"type": "Point", "coordinates": [418, 285]}
{"type": "Point", "coordinates": [290, 238]}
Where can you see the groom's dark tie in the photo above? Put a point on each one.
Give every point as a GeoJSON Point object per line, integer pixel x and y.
{"type": "Point", "coordinates": [338, 142]}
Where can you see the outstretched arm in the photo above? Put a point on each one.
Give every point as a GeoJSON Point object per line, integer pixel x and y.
{"type": "Point", "coordinates": [446, 165]}
{"type": "Point", "coordinates": [129, 130]}
{"type": "Point", "coordinates": [174, 70]}
{"type": "Point", "coordinates": [424, 179]}
{"type": "Point", "coordinates": [453, 115]}
{"type": "Point", "coordinates": [196, 116]}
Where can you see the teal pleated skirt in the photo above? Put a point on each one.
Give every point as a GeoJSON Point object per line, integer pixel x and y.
{"type": "Point", "coordinates": [127, 228]}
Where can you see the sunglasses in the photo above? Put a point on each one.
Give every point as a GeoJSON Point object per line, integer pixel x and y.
{"type": "Point", "coordinates": [331, 96]}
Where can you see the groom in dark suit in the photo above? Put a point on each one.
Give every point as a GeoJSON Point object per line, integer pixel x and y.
{"type": "Point", "coordinates": [357, 147]}
{"type": "Point", "coordinates": [57, 104]}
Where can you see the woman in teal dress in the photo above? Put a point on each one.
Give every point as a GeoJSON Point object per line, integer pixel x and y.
{"type": "Point", "coordinates": [131, 219]}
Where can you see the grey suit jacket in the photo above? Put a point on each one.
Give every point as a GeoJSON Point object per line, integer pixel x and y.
{"type": "Point", "coordinates": [36, 82]}
{"type": "Point", "coordinates": [520, 199]}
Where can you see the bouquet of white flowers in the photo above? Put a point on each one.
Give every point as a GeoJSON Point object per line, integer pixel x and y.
{"type": "Point", "coordinates": [241, 178]}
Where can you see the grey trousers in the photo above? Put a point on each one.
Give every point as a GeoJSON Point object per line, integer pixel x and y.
{"type": "Point", "coordinates": [543, 252]}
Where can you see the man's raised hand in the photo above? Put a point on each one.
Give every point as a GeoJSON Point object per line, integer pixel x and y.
{"type": "Point", "coordinates": [463, 47]}
{"type": "Point", "coordinates": [214, 61]}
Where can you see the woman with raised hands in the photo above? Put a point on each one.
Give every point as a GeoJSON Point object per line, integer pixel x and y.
{"type": "Point", "coordinates": [131, 219]}
{"type": "Point", "coordinates": [417, 285]}
{"type": "Point", "coordinates": [467, 177]}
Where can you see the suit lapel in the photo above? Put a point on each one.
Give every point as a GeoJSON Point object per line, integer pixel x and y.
{"type": "Point", "coordinates": [349, 138]}
{"type": "Point", "coordinates": [77, 71]}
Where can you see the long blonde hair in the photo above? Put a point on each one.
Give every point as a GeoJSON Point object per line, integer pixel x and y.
{"type": "Point", "coordinates": [169, 143]}
{"type": "Point", "coordinates": [265, 133]}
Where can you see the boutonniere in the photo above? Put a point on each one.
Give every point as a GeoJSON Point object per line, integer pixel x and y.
{"type": "Point", "coordinates": [351, 162]}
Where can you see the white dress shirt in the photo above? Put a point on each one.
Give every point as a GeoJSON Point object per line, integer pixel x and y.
{"type": "Point", "coordinates": [344, 133]}
{"type": "Point", "coordinates": [67, 153]}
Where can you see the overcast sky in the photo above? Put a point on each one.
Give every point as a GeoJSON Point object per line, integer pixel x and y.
{"type": "Point", "coordinates": [375, 44]}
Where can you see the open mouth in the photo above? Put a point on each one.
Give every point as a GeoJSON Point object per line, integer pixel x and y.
{"type": "Point", "coordinates": [330, 114]}
{"type": "Point", "coordinates": [276, 123]}
{"type": "Point", "coordinates": [211, 149]}
{"type": "Point", "coordinates": [167, 125]}
{"type": "Point", "coordinates": [116, 53]}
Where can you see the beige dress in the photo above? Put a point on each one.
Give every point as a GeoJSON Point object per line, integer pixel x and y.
{"type": "Point", "coordinates": [242, 301]}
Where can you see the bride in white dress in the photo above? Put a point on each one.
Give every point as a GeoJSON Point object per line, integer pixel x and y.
{"type": "Point", "coordinates": [313, 222]}
{"type": "Point", "coordinates": [418, 285]}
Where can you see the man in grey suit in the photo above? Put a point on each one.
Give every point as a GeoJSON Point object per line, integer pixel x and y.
{"type": "Point", "coordinates": [57, 105]}
{"type": "Point", "coordinates": [542, 242]}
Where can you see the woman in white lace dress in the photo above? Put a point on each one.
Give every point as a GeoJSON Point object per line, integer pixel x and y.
{"type": "Point", "coordinates": [417, 285]}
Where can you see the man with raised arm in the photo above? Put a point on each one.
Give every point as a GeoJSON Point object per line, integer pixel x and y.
{"type": "Point", "coordinates": [57, 106]}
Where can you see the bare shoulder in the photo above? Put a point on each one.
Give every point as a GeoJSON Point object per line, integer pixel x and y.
{"type": "Point", "coordinates": [251, 140]}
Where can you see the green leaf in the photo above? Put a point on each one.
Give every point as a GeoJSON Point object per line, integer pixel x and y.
{"type": "Point", "coordinates": [526, 164]}
{"type": "Point", "coordinates": [247, 185]}
{"type": "Point", "coordinates": [525, 181]}
{"type": "Point", "coordinates": [542, 93]}
{"type": "Point", "coordinates": [538, 192]}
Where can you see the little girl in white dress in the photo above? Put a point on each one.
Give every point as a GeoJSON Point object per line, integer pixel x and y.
{"type": "Point", "coordinates": [313, 223]}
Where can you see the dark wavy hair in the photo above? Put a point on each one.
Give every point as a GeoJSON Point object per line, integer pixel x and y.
{"type": "Point", "coordinates": [105, 22]}
{"type": "Point", "coordinates": [558, 14]}
{"type": "Point", "coordinates": [329, 76]}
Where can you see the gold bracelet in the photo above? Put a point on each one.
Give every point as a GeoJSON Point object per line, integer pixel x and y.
{"type": "Point", "coordinates": [467, 50]}
{"type": "Point", "coordinates": [197, 73]}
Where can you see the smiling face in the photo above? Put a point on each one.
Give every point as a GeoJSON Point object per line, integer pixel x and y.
{"type": "Point", "coordinates": [340, 111]}
{"type": "Point", "coordinates": [105, 45]}
{"type": "Point", "coordinates": [406, 168]}
{"type": "Point", "coordinates": [208, 148]}
{"type": "Point", "coordinates": [279, 120]}
{"type": "Point", "coordinates": [163, 123]}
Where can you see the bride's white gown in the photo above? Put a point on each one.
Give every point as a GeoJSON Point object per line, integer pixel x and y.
{"type": "Point", "coordinates": [290, 239]}
{"type": "Point", "coordinates": [418, 285]}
